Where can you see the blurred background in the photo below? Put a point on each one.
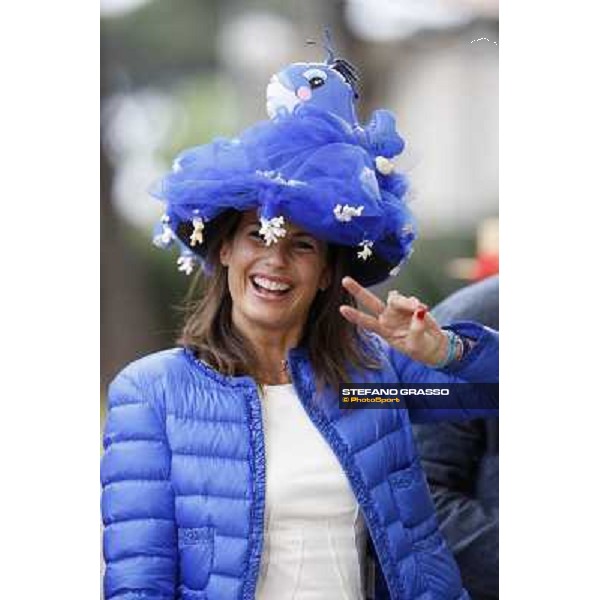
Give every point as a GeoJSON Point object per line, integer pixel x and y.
{"type": "Point", "coordinates": [178, 73]}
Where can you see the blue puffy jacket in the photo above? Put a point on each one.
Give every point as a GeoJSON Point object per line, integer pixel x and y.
{"type": "Point", "coordinates": [183, 475]}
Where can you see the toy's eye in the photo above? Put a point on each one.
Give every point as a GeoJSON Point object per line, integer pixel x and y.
{"type": "Point", "coordinates": [315, 77]}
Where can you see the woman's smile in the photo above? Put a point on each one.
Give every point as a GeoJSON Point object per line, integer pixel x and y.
{"type": "Point", "coordinates": [270, 287]}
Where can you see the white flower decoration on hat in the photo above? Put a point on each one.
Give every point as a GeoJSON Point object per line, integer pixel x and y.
{"type": "Point", "coordinates": [185, 264]}
{"type": "Point", "coordinates": [384, 165]}
{"type": "Point", "coordinates": [366, 251]}
{"type": "Point", "coordinates": [164, 239]}
{"type": "Point", "coordinates": [197, 237]}
{"type": "Point", "coordinates": [346, 212]}
{"type": "Point", "coordinates": [272, 229]}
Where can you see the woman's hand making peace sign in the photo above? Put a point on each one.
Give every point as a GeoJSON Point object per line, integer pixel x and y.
{"type": "Point", "coordinates": [403, 322]}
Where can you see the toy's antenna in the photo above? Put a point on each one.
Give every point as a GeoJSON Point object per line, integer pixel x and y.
{"type": "Point", "coordinates": [346, 69]}
{"type": "Point", "coordinates": [328, 45]}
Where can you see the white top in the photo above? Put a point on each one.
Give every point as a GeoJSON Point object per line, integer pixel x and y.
{"type": "Point", "coordinates": [315, 535]}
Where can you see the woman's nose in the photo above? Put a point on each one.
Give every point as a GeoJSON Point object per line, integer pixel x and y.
{"type": "Point", "coordinates": [276, 254]}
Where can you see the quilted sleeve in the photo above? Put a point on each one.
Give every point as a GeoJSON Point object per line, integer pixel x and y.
{"type": "Point", "coordinates": [140, 537]}
{"type": "Point", "coordinates": [479, 366]}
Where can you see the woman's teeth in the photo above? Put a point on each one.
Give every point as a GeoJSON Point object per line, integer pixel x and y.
{"type": "Point", "coordinates": [271, 286]}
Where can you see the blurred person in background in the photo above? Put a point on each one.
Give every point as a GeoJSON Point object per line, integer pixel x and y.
{"type": "Point", "coordinates": [461, 463]}
{"type": "Point", "coordinates": [230, 470]}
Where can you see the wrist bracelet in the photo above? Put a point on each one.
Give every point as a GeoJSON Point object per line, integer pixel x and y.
{"type": "Point", "coordinates": [454, 344]}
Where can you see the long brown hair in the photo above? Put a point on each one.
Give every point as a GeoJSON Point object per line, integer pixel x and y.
{"type": "Point", "coordinates": [334, 345]}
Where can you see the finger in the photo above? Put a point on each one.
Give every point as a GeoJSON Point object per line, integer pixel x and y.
{"type": "Point", "coordinates": [400, 302]}
{"type": "Point", "coordinates": [427, 337]}
{"type": "Point", "coordinates": [424, 320]}
{"type": "Point", "coordinates": [364, 296]}
{"type": "Point", "coordinates": [418, 323]}
{"type": "Point", "coordinates": [418, 303]}
{"type": "Point", "coordinates": [429, 320]}
{"type": "Point", "coordinates": [415, 340]}
{"type": "Point", "coordinates": [360, 318]}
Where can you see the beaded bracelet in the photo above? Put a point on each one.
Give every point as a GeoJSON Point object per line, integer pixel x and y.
{"type": "Point", "coordinates": [456, 350]}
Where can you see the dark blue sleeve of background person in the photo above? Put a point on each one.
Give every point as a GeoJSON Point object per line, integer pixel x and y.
{"type": "Point", "coordinates": [461, 463]}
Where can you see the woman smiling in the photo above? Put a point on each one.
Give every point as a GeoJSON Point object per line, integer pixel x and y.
{"type": "Point", "coordinates": [230, 470]}
{"type": "Point", "coordinates": [256, 290]}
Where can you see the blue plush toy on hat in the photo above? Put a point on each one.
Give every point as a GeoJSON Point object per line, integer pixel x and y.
{"type": "Point", "coordinates": [311, 164]}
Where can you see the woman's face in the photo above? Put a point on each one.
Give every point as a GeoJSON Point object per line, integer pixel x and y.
{"type": "Point", "coordinates": [272, 287]}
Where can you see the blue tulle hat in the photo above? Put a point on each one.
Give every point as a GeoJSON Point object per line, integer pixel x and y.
{"type": "Point", "coordinates": [311, 164]}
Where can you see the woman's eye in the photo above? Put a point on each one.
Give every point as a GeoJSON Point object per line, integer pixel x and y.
{"type": "Point", "coordinates": [303, 245]}
{"type": "Point", "coordinates": [316, 82]}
